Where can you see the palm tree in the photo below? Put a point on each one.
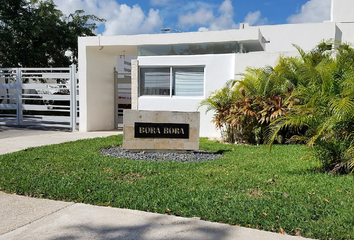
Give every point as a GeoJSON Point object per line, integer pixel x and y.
{"type": "Point", "coordinates": [265, 96]}
{"type": "Point", "coordinates": [262, 82]}
{"type": "Point", "coordinates": [325, 80]}
{"type": "Point", "coordinates": [221, 101]}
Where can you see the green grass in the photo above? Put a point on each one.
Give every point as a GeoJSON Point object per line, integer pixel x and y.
{"type": "Point", "coordinates": [249, 187]}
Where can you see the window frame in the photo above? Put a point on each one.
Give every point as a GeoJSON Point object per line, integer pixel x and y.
{"type": "Point", "coordinates": [153, 67]}
{"type": "Point", "coordinates": [172, 95]}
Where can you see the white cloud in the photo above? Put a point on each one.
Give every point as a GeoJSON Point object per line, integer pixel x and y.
{"type": "Point", "coordinates": [203, 29]}
{"type": "Point", "coordinates": [254, 18]}
{"type": "Point", "coordinates": [205, 16]}
{"type": "Point", "coordinates": [195, 5]}
{"type": "Point", "coordinates": [225, 18]}
{"type": "Point", "coordinates": [200, 17]}
{"type": "Point", "coordinates": [161, 2]}
{"type": "Point", "coordinates": [120, 18]}
{"type": "Point", "coordinates": [313, 11]}
{"type": "Point", "coordinates": [129, 20]}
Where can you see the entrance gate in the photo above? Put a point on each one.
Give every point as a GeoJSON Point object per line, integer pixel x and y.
{"type": "Point", "coordinates": [123, 100]}
{"type": "Point", "coordinates": [39, 96]}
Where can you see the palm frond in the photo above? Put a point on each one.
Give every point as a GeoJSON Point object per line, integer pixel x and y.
{"type": "Point", "coordinates": [342, 108]}
{"type": "Point", "coordinates": [349, 158]}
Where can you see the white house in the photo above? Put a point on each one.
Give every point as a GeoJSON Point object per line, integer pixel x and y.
{"type": "Point", "coordinates": [176, 71]}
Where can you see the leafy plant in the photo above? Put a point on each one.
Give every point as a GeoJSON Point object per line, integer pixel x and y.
{"type": "Point", "coordinates": [248, 105]}
{"type": "Point", "coordinates": [326, 108]}
{"type": "Point", "coordinates": [220, 102]}
{"type": "Point", "coordinates": [36, 34]}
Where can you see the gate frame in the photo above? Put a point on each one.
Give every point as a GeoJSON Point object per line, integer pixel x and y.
{"type": "Point", "coordinates": [73, 92]}
{"type": "Point", "coordinates": [117, 101]}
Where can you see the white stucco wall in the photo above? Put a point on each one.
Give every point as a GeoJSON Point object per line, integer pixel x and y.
{"type": "Point", "coordinates": [342, 11]}
{"type": "Point", "coordinates": [307, 36]}
{"type": "Point", "coordinates": [218, 70]}
{"type": "Point", "coordinates": [96, 89]}
{"type": "Point", "coordinates": [257, 60]}
{"type": "Point", "coordinates": [346, 32]}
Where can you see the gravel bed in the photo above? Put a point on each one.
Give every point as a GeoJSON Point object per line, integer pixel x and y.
{"type": "Point", "coordinates": [163, 156]}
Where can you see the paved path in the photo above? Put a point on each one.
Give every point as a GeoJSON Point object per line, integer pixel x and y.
{"type": "Point", "coordinates": [14, 139]}
{"type": "Point", "coordinates": [40, 219]}
{"type": "Point", "coordinates": [18, 131]}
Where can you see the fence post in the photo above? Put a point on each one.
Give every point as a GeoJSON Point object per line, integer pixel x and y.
{"type": "Point", "coordinates": [19, 112]}
{"type": "Point", "coordinates": [73, 101]}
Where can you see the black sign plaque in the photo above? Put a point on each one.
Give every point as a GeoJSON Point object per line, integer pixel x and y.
{"type": "Point", "coordinates": [161, 130]}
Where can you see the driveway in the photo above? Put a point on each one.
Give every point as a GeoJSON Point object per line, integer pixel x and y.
{"type": "Point", "coordinates": [14, 139]}
{"type": "Point", "coordinates": [21, 131]}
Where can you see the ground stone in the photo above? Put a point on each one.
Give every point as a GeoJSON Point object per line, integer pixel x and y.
{"type": "Point", "coordinates": [184, 156]}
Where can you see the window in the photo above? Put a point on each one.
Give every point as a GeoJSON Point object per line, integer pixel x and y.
{"type": "Point", "coordinates": [189, 49]}
{"type": "Point", "coordinates": [176, 81]}
{"type": "Point", "coordinates": [188, 81]}
{"type": "Point", "coordinates": [154, 81]}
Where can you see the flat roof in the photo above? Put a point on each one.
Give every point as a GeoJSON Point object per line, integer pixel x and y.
{"type": "Point", "coordinates": [251, 38]}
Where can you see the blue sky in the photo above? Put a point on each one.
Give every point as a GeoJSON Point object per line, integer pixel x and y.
{"type": "Point", "coordinates": [149, 16]}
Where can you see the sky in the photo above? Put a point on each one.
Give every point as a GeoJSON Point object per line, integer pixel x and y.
{"type": "Point", "coordinates": [126, 17]}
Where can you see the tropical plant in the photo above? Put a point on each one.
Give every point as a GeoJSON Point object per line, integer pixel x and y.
{"type": "Point", "coordinates": [263, 97]}
{"type": "Point", "coordinates": [243, 108]}
{"type": "Point", "coordinates": [262, 82]}
{"type": "Point", "coordinates": [307, 99]}
{"type": "Point", "coordinates": [324, 81]}
{"type": "Point", "coordinates": [220, 102]}
{"type": "Point", "coordinates": [243, 116]}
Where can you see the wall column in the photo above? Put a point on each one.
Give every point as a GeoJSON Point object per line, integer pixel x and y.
{"type": "Point", "coordinates": [135, 83]}
{"type": "Point", "coordinates": [97, 95]}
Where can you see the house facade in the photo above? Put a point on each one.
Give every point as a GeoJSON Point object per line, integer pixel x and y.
{"type": "Point", "coordinates": [176, 71]}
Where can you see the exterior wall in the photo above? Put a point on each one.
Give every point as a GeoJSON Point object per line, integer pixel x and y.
{"type": "Point", "coordinates": [96, 74]}
{"type": "Point", "coordinates": [242, 61]}
{"type": "Point", "coordinates": [345, 30]}
{"type": "Point", "coordinates": [282, 37]}
{"type": "Point", "coordinates": [342, 11]}
{"type": "Point", "coordinates": [218, 70]}
{"type": "Point", "coordinates": [127, 44]}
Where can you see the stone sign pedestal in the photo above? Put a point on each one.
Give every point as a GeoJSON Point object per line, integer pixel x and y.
{"type": "Point", "coordinates": [160, 130]}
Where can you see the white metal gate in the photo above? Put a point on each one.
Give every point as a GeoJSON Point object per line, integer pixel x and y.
{"type": "Point", "coordinates": [123, 100]}
{"type": "Point", "coordinates": [39, 96]}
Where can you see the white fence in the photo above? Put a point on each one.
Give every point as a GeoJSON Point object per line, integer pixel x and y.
{"type": "Point", "coordinates": [39, 96]}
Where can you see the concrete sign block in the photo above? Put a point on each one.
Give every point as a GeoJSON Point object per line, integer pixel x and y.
{"type": "Point", "coordinates": [160, 130]}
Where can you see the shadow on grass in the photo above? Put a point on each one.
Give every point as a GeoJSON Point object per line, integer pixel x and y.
{"type": "Point", "coordinates": [222, 151]}
{"type": "Point", "coordinates": [314, 170]}
{"type": "Point", "coordinates": [156, 228]}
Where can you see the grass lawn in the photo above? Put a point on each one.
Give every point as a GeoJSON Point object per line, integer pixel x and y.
{"type": "Point", "coordinates": [249, 187]}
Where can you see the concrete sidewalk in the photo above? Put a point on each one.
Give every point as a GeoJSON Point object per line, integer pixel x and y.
{"type": "Point", "coordinates": [40, 219]}
{"type": "Point", "coordinates": [19, 142]}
